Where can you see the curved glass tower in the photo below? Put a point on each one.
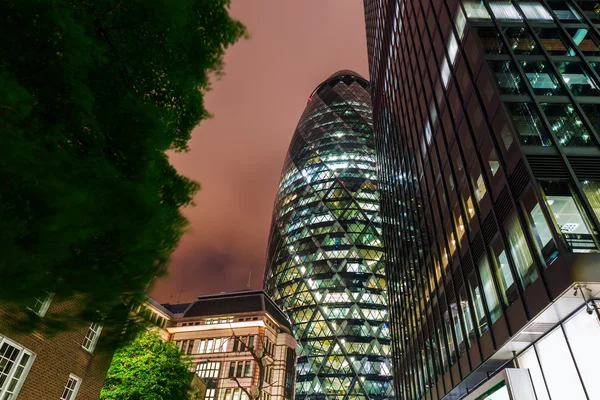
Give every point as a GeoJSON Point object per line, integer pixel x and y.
{"type": "Point", "coordinates": [325, 263]}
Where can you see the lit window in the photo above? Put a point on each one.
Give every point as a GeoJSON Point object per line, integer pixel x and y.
{"type": "Point", "coordinates": [570, 219]}
{"type": "Point", "coordinates": [476, 10]}
{"type": "Point", "coordinates": [208, 369]}
{"type": "Point", "coordinates": [503, 273]}
{"type": "Point", "coordinates": [71, 388]}
{"type": "Point", "coordinates": [520, 251]}
{"type": "Point", "coordinates": [534, 11]}
{"type": "Point", "coordinates": [92, 336]}
{"type": "Point", "coordinates": [505, 11]}
{"type": "Point", "coordinates": [40, 304]}
{"type": "Point", "coordinates": [489, 290]}
{"type": "Point", "coordinates": [591, 189]}
{"type": "Point", "coordinates": [567, 125]}
{"type": "Point", "coordinates": [15, 362]}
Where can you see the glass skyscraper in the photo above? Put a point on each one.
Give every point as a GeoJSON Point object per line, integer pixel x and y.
{"type": "Point", "coordinates": [487, 127]}
{"type": "Point", "coordinates": [325, 263]}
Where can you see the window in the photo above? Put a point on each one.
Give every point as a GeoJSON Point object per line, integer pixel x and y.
{"type": "Point", "coordinates": [190, 347]}
{"type": "Point", "coordinates": [538, 227]}
{"type": "Point", "coordinates": [534, 11]}
{"type": "Point", "coordinates": [521, 41]}
{"type": "Point", "coordinates": [208, 369]}
{"type": "Point", "coordinates": [480, 317]}
{"type": "Point", "coordinates": [543, 81]}
{"type": "Point", "coordinates": [240, 368]}
{"type": "Point", "coordinates": [564, 11]}
{"type": "Point", "coordinates": [566, 125]}
{"type": "Point", "coordinates": [71, 388]}
{"type": "Point", "coordinates": [520, 251]}
{"type": "Point", "coordinates": [591, 189]}
{"type": "Point", "coordinates": [578, 79]}
{"type": "Point", "coordinates": [41, 304]}
{"type": "Point", "coordinates": [570, 220]}
{"type": "Point", "coordinates": [503, 272]}
{"type": "Point", "coordinates": [528, 125]}
{"type": "Point", "coordinates": [91, 337]}
{"type": "Point", "coordinates": [529, 360]}
{"type": "Point", "coordinates": [505, 11]}
{"type": "Point", "coordinates": [491, 40]}
{"type": "Point", "coordinates": [586, 41]}
{"type": "Point", "coordinates": [15, 362]}
{"type": "Point", "coordinates": [554, 41]}
{"type": "Point", "coordinates": [507, 77]}
{"type": "Point", "coordinates": [489, 290]}
{"type": "Point", "coordinates": [211, 394]}
{"type": "Point", "coordinates": [218, 345]}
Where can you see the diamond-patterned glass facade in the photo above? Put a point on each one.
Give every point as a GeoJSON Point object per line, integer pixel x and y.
{"type": "Point", "coordinates": [325, 264]}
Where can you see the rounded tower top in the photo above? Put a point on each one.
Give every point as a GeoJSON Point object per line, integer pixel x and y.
{"type": "Point", "coordinates": [344, 72]}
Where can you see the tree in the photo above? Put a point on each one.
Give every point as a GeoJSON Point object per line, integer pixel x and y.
{"type": "Point", "coordinates": [92, 95]}
{"type": "Point", "coordinates": [148, 369]}
{"type": "Point", "coordinates": [259, 354]}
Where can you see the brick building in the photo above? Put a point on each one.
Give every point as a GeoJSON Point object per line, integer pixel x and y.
{"type": "Point", "coordinates": [67, 366]}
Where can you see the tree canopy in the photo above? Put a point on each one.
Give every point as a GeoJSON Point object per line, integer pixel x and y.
{"type": "Point", "coordinates": [148, 369]}
{"type": "Point", "coordinates": [92, 95]}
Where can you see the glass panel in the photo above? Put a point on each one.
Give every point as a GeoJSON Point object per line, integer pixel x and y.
{"type": "Point", "coordinates": [535, 11]}
{"type": "Point", "coordinates": [480, 318]}
{"type": "Point", "coordinates": [568, 216]}
{"type": "Point", "coordinates": [503, 273]}
{"type": "Point", "coordinates": [591, 189]}
{"type": "Point", "coordinates": [489, 290]}
{"type": "Point", "coordinates": [586, 40]}
{"type": "Point", "coordinates": [543, 81]}
{"type": "Point", "coordinates": [591, 9]}
{"type": "Point", "coordinates": [521, 41]}
{"type": "Point", "coordinates": [475, 10]}
{"type": "Point", "coordinates": [583, 332]}
{"type": "Point", "coordinates": [566, 125]}
{"type": "Point", "coordinates": [559, 370]}
{"type": "Point", "coordinates": [539, 228]}
{"type": "Point", "coordinates": [554, 42]}
{"type": "Point", "coordinates": [467, 315]}
{"type": "Point", "coordinates": [528, 124]}
{"type": "Point", "coordinates": [564, 11]}
{"type": "Point", "coordinates": [529, 360]}
{"type": "Point", "coordinates": [505, 11]}
{"type": "Point", "coordinates": [578, 79]}
{"type": "Point", "coordinates": [491, 40]}
{"type": "Point", "coordinates": [460, 339]}
{"type": "Point", "coordinates": [519, 251]}
{"type": "Point", "coordinates": [592, 112]}
{"type": "Point", "coordinates": [508, 78]}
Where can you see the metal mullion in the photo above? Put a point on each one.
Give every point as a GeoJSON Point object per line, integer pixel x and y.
{"type": "Point", "coordinates": [562, 328]}
{"type": "Point", "coordinates": [557, 73]}
{"type": "Point", "coordinates": [546, 123]}
{"type": "Point", "coordinates": [537, 357]}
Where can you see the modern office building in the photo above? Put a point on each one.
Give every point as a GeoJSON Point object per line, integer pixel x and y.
{"type": "Point", "coordinates": [226, 335]}
{"type": "Point", "coordinates": [487, 128]}
{"type": "Point", "coordinates": [325, 264]}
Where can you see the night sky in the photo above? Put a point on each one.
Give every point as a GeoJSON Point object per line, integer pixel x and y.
{"type": "Point", "coordinates": [237, 155]}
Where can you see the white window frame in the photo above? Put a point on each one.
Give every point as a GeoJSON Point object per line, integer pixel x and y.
{"type": "Point", "coordinates": [89, 343]}
{"type": "Point", "coordinates": [45, 304]}
{"type": "Point", "coordinates": [71, 393]}
{"type": "Point", "coordinates": [13, 391]}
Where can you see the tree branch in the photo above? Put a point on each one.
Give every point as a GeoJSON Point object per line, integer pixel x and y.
{"type": "Point", "coordinates": [239, 385]}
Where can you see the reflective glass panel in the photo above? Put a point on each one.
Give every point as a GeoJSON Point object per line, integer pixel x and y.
{"type": "Point", "coordinates": [507, 76]}
{"type": "Point", "coordinates": [566, 124]}
{"type": "Point", "coordinates": [592, 112]}
{"type": "Point", "coordinates": [592, 192]}
{"type": "Point", "coordinates": [586, 40]}
{"type": "Point", "coordinates": [554, 42]}
{"type": "Point", "coordinates": [535, 11]}
{"type": "Point", "coordinates": [528, 124]}
{"type": "Point", "coordinates": [521, 41]}
{"type": "Point", "coordinates": [564, 11]}
{"type": "Point", "coordinates": [504, 274]}
{"type": "Point", "coordinates": [477, 297]}
{"type": "Point", "coordinates": [582, 333]}
{"type": "Point", "coordinates": [578, 79]}
{"type": "Point", "coordinates": [489, 290]}
{"type": "Point", "coordinates": [557, 364]}
{"type": "Point", "coordinates": [505, 11]}
{"type": "Point", "coordinates": [519, 251]}
{"type": "Point", "coordinates": [568, 216]}
{"type": "Point", "coordinates": [476, 10]}
{"type": "Point", "coordinates": [543, 81]}
{"type": "Point", "coordinates": [491, 40]}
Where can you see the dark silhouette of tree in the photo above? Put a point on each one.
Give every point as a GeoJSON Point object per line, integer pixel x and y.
{"type": "Point", "coordinates": [92, 95]}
